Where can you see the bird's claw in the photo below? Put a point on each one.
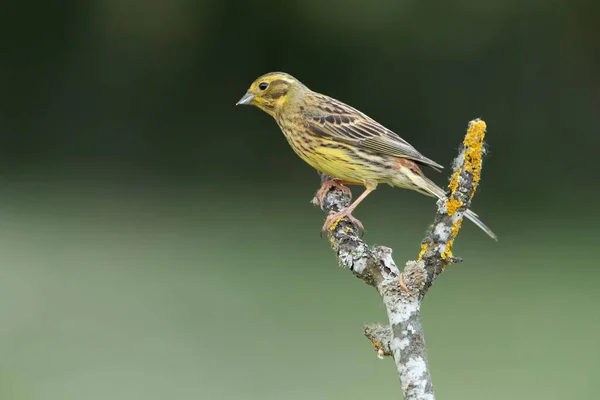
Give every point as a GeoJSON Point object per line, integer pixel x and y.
{"type": "Point", "coordinates": [333, 217]}
{"type": "Point", "coordinates": [327, 186]}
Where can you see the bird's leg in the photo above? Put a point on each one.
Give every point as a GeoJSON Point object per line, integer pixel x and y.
{"type": "Point", "coordinates": [347, 212]}
{"type": "Point", "coordinates": [328, 185]}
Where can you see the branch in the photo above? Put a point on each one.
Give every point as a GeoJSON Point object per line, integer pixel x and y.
{"type": "Point", "coordinates": [404, 339]}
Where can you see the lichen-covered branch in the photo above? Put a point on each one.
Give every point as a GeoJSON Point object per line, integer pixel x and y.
{"type": "Point", "coordinates": [436, 248]}
{"type": "Point", "coordinates": [404, 339]}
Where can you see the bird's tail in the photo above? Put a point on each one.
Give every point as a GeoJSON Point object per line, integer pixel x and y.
{"type": "Point", "coordinates": [474, 218]}
{"type": "Point", "coordinates": [424, 185]}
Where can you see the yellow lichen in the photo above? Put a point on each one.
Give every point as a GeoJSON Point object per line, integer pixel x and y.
{"type": "Point", "coordinates": [474, 150]}
{"type": "Point", "coordinates": [423, 250]}
{"type": "Point", "coordinates": [447, 254]}
{"type": "Point", "coordinates": [472, 155]}
{"type": "Point", "coordinates": [452, 205]}
{"type": "Point", "coordinates": [334, 224]}
{"type": "Point", "coordinates": [456, 228]}
{"type": "Point", "coordinates": [332, 228]}
{"type": "Point", "coordinates": [454, 181]}
{"type": "Point", "coordinates": [475, 133]}
{"type": "Point", "coordinates": [471, 162]}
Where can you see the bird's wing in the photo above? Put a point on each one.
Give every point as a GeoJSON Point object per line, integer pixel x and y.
{"type": "Point", "coordinates": [335, 120]}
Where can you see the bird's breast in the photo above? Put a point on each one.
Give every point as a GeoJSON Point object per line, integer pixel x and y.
{"type": "Point", "coordinates": [338, 160]}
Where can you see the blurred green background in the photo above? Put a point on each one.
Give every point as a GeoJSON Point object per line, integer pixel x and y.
{"type": "Point", "coordinates": [158, 242]}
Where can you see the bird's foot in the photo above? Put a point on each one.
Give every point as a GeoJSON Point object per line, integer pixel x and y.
{"type": "Point", "coordinates": [328, 185]}
{"type": "Point", "coordinates": [334, 217]}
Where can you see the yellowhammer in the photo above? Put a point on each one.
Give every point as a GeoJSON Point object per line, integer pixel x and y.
{"type": "Point", "coordinates": [342, 142]}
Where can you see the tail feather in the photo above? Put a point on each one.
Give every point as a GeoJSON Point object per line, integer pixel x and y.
{"type": "Point", "coordinates": [428, 187]}
{"type": "Point", "coordinates": [471, 216]}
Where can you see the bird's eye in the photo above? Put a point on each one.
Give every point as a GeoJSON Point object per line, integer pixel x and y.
{"type": "Point", "coordinates": [263, 85]}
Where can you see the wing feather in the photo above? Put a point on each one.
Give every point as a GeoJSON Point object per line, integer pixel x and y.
{"type": "Point", "coordinates": [335, 120]}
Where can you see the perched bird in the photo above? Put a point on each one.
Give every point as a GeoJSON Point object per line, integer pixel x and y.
{"type": "Point", "coordinates": [342, 142]}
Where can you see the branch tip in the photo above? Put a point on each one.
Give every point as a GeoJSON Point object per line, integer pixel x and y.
{"type": "Point", "coordinates": [436, 248]}
{"type": "Point", "coordinates": [380, 337]}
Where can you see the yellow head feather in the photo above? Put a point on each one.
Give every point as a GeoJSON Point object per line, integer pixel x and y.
{"type": "Point", "coordinates": [271, 91]}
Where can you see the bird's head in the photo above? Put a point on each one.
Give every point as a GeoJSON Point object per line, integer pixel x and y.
{"type": "Point", "coordinates": [272, 91]}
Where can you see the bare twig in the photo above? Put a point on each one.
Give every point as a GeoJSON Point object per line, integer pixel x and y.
{"type": "Point", "coordinates": [404, 339]}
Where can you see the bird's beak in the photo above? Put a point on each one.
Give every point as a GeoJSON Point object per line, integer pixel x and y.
{"type": "Point", "coordinates": [246, 99]}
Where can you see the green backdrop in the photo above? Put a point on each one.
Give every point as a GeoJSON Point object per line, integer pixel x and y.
{"type": "Point", "coordinates": [158, 242]}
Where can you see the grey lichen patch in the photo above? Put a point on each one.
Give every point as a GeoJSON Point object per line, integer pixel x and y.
{"type": "Point", "coordinates": [360, 265]}
{"type": "Point", "coordinates": [381, 337]}
{"type": "Point", "coordinates": [345, 259]}
{"type": "Point", "coordinates": [371, 265]}
{"type": "Point", "coordinates": [442, 231]}
{"type": "Point", "coordinates": [393, 295]}
{"type": "Point", "coordinates": [459, 160]}
{"type": "Point", "coordinates": [384, 255]}
{"type": "Point", "coordinates": [441, 206]}
{"type": "Point", "coordinates": [400, 309]}
{"type": "Point", "coordinates": [335, 200]}
{"type": "Point", "coordinates": [315, 202]}
{"type": "Point", "coordinates": [353, 253]}
{"type": "Point", "coordinates": [415, 275]}
{"type": "Point", "coordinates": [416, 376]}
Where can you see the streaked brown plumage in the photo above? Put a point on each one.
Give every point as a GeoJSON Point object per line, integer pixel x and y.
{"type": "Point", "coordinates": [342, 142]}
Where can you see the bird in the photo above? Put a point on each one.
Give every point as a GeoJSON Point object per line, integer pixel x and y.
{"type": "Point", "coordinates": [344, 143]}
